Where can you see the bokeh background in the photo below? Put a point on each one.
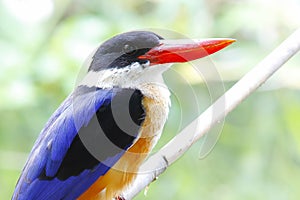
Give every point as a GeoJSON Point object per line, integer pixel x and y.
{"type": "Point", "coordinates": [43, 44]}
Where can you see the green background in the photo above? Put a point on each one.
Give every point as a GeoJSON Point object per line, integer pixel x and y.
{"type": "Point", "coordinates": [43, 44]}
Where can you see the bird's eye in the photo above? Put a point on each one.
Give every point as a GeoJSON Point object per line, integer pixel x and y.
{"type": "Point", "coordinates": [129, 49]}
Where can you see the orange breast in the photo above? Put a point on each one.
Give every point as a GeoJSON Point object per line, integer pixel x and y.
{"type": "Point", "coordinates": [123, 173]}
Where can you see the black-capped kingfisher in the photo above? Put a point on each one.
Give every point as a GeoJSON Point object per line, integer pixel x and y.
{"type": "Point", "coordinates": [93, 144]}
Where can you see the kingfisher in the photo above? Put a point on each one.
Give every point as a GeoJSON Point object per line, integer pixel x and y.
{"type": "Point", "coordinates": [94, 143]}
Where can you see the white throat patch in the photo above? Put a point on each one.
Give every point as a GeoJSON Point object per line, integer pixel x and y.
{"type": "Point", "coordinates": [132, 76]}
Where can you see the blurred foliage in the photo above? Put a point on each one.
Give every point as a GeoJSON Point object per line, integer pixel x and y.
{"type": "Point", "coordinates": [43, 43]}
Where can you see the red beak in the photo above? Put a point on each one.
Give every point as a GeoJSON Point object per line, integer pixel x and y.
{"type": "Point", "coordinates": [176, 51]}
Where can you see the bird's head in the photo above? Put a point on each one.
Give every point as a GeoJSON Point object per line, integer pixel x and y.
{"type": "Point", "coordinates": [137, 57]}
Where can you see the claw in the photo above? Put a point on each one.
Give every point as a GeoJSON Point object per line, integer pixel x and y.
{"type": "Point", "coordinates": [120, 198]}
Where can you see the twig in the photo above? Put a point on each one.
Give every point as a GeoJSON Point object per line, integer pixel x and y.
{"type": "Point", "coordinates": [159, 162]}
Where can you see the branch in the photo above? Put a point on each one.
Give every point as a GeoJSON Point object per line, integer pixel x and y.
{"type": "Point", "coordinates": [173, 150]}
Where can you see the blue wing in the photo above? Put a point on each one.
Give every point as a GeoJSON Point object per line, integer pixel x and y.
{"type": "Point", "coordinates": [59, 165]}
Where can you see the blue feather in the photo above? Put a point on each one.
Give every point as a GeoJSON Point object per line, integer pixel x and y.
{"type": "Point", "coordinates": [52, 145]}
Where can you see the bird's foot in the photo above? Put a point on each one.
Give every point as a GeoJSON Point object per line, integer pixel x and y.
{"type": "Point", "coordinates": [120, 198]}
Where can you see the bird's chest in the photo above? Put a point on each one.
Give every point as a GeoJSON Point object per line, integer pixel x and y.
{"type": "Point", "coordinates": [156, 105]}
{"type": "Point", "coordinates": [156, 101]}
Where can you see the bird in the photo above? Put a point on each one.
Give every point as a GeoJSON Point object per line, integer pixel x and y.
{"type": "Point", "coordinates": [94, 143]}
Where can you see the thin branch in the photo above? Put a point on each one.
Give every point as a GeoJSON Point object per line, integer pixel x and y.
{"type": "Point", "coordinates": [159, 162]}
